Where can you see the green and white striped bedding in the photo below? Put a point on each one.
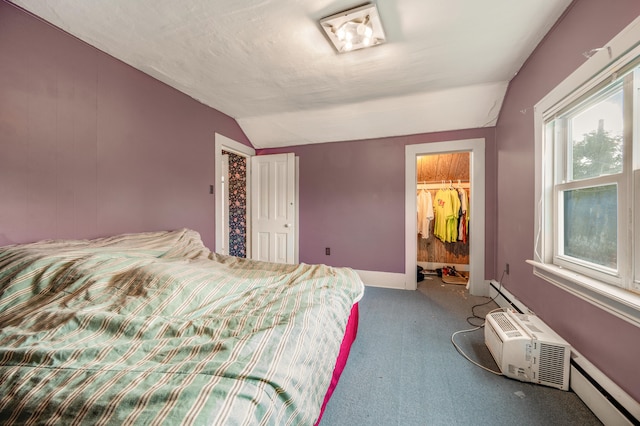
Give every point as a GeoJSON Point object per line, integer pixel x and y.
{"type": "Point", "coordinates": [155, 329]}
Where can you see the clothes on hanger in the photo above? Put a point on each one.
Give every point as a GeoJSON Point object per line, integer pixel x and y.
{"type": "Point", "coordinates": [449, 211]}
{"type": "Point", "coordinates": [425, 212]}
{"type": "Point", "coordinates": [446, 209]}
{"type": "Point", "coordinates": [463, 217]}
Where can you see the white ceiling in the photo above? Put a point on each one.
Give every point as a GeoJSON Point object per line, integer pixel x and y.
{"type": "Point", "coordinates": [267, 63]}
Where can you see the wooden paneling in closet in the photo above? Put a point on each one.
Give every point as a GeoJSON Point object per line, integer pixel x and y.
{"type": "Point", "coordinates": [438, 167]}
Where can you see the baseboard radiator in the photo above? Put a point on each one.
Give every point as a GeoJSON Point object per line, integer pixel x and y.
{"type": "Point", "coordinates": [611, 404]}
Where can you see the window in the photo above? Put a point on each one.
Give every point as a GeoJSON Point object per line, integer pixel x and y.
{"type": "Point", "coordinates": [588, 182]}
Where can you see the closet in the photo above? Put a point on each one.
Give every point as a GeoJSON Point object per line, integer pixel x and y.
{"type": "Point", "coordinates": [443, 192]}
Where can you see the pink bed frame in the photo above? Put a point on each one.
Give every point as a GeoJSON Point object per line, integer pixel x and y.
{"type": "Point", "coordinates": [345, 347]}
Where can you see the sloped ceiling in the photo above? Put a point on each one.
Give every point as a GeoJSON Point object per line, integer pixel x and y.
{"type": "Point", "coordinates": [267, 63]}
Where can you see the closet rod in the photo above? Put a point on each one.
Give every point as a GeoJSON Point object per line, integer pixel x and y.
{"type": "Point", "coordinates": [444, 184]}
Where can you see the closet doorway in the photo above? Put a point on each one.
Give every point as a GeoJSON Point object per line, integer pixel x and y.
{"type": "Point", "coordinates": [442, 180]}
{"type": "Point", "coordinates": [474, 149]}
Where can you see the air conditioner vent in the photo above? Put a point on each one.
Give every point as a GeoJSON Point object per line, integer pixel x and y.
{"type": "Point", "coordinates": [506, 325]}
{"type": "Point", "coordinates": [551, 368]}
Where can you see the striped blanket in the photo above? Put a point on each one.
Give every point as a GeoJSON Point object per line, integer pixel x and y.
{"type": "Point", "coordinates": [155, 329]}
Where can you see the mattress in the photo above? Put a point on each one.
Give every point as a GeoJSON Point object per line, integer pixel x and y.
{"type": "Point", "coordinates": [154, 328]}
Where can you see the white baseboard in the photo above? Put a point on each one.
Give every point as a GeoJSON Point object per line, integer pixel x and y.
{"type": "Point", "coordinates": [505, 299]}
{"type": "Point", "coordinates": [382, 279]}
{"type": "Point", "coordinates": [585, 379]}
{"type": "Point", "coordinates": [611, 404]}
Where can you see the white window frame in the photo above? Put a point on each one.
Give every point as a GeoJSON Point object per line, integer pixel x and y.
{"type": "Point", "coordinates": [562, 182]}
{"type": "Point", "coordinates": [601, 289]}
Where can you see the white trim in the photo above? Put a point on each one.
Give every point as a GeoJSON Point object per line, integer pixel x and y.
{"type": "Point", "coordinates": [223, 142]}
{"type": "Point", "coordinates": [621, 303]}
{"type": "Point", "coordinates": [477, 284]}
{"type": "Point", "coordinates": [593, 398]}
{"type": "Point", "coordinates": [296, 247]}
{"type": "Point", "coordinates": [224, 199]}
{"type": "Point", "coordinates": [382, 279]}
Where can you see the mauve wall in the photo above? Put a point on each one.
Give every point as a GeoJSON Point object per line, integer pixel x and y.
{"type": "Point", "coordinates": [352, 200]}
{"type": "Point", "coordinates": [92, 147]}
{"type": "Point", "coordinates": [611, 344]}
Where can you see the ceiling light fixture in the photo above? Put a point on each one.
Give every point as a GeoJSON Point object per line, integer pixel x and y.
{"type": "Point", "coordinates": [354, 29]}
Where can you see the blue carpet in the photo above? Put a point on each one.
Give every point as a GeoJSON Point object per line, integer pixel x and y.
{"type": "Point", "coordinates": [403, 369]}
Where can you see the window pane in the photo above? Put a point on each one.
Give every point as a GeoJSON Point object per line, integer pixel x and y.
{"type": "Point", "coordinates": [596, 135]}
{"type": "Point", "coordinates": [591, 225]}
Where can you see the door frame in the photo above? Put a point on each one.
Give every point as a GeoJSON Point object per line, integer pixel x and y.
{"type": "Point", "coordinates": [225, 208]}
{"type": "Point", "coordinates": [478, 286]}
{"type": "Point", "coordinates": [223, 143]}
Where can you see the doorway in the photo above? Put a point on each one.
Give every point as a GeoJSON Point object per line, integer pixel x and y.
{"type": "Point", "coordinates": [226, 151]}
{"type": "Point", "coordinates": [443, 196]}
{"type": "Point", "coordinates": [476, 149]}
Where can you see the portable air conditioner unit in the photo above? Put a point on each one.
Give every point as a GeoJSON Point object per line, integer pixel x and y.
{"type": "Point", "coordinates": [526, 349]}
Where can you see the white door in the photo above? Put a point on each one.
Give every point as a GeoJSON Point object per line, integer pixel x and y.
{"type": "Point", "coordinates": [273, 209]}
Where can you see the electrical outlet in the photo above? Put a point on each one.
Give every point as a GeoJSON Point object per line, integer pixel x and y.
{"type": "Point", "coordinates": [327, 251]}
{"type": "Point", "coordinates": [506, 268]}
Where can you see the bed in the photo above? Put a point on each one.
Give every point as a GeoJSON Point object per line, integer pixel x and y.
{"type": "Point", "coordinates": [154, 328]}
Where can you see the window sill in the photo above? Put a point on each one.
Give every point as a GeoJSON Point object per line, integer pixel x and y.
{"type": "Point", "coordinates": [621, 303]}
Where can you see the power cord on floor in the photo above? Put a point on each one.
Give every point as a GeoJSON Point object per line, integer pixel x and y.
{"type": "Point", "coordinates": [473, 313]}
{"type": "Point", "coordinates": [461, 352]}
{"type": "Point", "coordinates": [478, 327]}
